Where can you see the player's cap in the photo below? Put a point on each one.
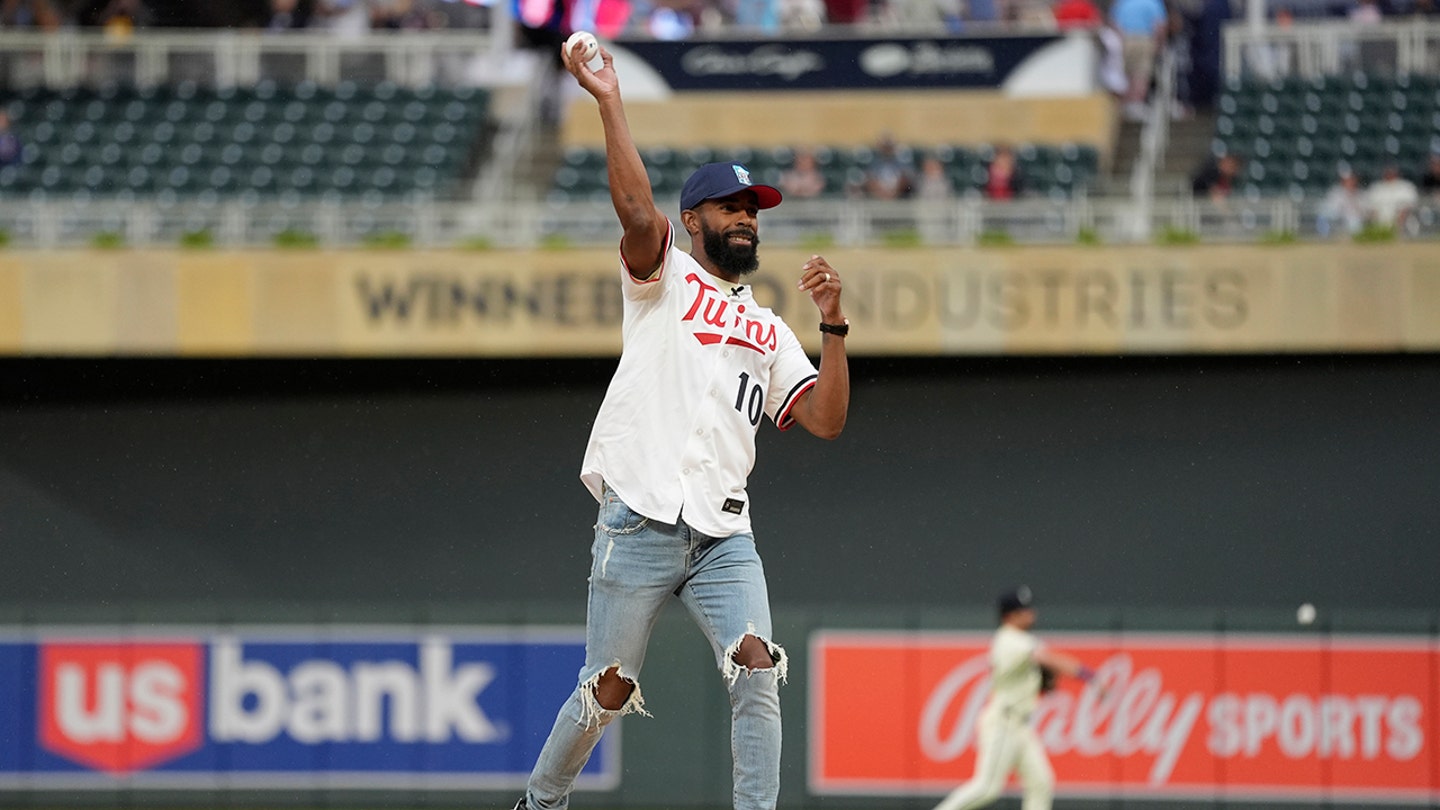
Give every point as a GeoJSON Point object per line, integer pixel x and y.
{"type": "Point", "coordinates": [721, 180]}
{"type": "Point", "coordinates": [1018, 598]}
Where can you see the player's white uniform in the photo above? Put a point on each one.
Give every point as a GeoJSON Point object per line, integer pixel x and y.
{"type": "Point", "coordinates": [1005, 741]}
{"type": "Point", "coordinates": [702, 364]}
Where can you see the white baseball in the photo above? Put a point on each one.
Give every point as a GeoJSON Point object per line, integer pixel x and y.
{"type": "Point", "coordinates": [1305, 614]}
{"type": "Point", "coordinates": [586, 40]}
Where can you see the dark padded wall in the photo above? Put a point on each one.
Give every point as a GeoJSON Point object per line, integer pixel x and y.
{"type": "Point", "coordinates": [1250, 481]}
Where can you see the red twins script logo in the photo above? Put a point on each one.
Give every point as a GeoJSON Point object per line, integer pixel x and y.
{"type": "Point", "coordinates": [757, 336]}
{"type": "Point", "coordinates": [120, 707]}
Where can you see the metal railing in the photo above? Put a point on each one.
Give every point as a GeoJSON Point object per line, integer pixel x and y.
{"type": "Point", "coordinates": [1316, 49]}
{"type": "Point", "coordinates": [510, 224]}
{"type": "Point", "coordinates": [1155, 133]}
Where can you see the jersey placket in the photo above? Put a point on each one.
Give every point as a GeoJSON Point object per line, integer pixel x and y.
{"type": "Point", "coordinates": [693, 458]}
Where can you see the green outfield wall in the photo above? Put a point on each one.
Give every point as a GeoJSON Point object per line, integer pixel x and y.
{"type": "Point", "coordinates": [1183, 482]}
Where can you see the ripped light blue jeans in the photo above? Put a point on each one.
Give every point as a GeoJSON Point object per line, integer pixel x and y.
{"type": "Point", "coordinates": [637, 566]}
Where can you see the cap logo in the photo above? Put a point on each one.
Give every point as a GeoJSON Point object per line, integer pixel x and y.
{"type": "Point", "coordinates": [742, 174]}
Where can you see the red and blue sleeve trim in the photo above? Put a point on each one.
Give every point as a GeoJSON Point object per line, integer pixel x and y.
{"type": "Point", "coordinates": [784, 420]}
{"type": "Point", "coordinates": [664, 258]}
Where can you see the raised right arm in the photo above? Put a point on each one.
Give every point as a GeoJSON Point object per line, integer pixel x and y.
{"type": "Point", "coordinates": [642, 247]}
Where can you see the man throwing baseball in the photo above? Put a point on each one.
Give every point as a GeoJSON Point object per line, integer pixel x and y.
{"type": "Point", "coordinates": [1005, 741]}
{"type": "Point", "coordinates": [673, 445]}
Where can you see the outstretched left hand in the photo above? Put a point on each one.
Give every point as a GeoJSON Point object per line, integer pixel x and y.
{"type": "Point", "coordinates": [823, 284]}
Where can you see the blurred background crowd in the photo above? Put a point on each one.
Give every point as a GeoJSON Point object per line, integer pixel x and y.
{"type": "Point", "coordinates": [340, 16]}
{"type": "Point", "coordinates": [616, 17]}
{"type": "Point", "coordinates": [1131, 34]}
{"type": "Point", "coordinates": [1136, 41]}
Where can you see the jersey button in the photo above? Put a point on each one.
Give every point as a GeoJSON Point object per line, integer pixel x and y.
{"type": "Point", "coordinates": [685, 471]}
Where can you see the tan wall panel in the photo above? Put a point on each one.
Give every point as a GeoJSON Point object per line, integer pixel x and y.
{"type": "Point", "coordinates": [146, 305]}
{"type": "Point", "coordinates": [852, 119]}
{"type": "Point", "coordinates": [216, 298]}
{"type": "Point", "coordinates": [1369, 303]}
{"type": "Point", "coordinates": [1422, 293]}
{"type": "Point", "coordinates": [554, 303]}
{"type": "Point", "coordinates": [294, 308]}
{"type": "Point", "coordinates": [70, 302]}
{"type": "Point", "coordinates": [12, 303]}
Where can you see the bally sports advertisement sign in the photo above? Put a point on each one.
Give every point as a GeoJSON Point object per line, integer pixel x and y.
{"type": "Point", "coordinates": [1240, 717]}
{"type": "Point", "coordinates": [350, 706]}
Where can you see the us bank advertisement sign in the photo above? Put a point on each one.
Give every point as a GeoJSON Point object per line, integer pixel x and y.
{"type": "Point", "coordinates": [266, 707]}
{"type": "Point", "coordinates": [1238, 717]}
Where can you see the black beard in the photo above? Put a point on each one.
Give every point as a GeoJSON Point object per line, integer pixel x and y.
{"type": "Point", "coordinates": [734, 259]}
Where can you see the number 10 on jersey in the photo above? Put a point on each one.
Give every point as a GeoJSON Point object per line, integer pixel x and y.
{"type": "Point", "coordinates": [749, 399]}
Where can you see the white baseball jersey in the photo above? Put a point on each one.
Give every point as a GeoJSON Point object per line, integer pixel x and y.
{"type": "Point", "coordinates": [702, 364]}
{"type": "Point", "coordinates": [1005, 741]}
{"type": "Point", "coordinates": [1014, 675]}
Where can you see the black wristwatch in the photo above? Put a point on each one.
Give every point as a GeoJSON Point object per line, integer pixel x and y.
{"type": "Point", "coordinates": [842, 329]}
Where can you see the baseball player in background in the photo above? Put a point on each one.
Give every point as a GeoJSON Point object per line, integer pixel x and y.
{"type": "Point", "coordinates": [673, 445]}
{"type": "Point", "coordinates": [1005, 742]}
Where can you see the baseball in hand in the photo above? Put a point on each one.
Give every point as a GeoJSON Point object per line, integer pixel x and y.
{"type": "Point", "coordinates": [1305, 614]}
{"type": "Point", "coordinates": [587, 41]}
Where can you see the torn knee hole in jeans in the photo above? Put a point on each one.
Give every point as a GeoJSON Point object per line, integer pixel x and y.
{"type": "Point", "coordinates": [593, 713]}
{"type": "Point", "coordinates": [733, 668]}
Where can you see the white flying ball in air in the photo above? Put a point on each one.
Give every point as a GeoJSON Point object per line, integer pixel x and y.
{"type": "Point", "coordinates": [1305, 614]}
{"type": "Point", "coordinates": [587, 41]}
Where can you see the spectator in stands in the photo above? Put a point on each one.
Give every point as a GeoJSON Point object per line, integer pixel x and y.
{"type": "Point", "coordinates": [803, 180]}
{"type": "Point", "coordinates": [846, 12]}
{"type": "Point", "coordinates": [762, 16]}
{"type": "Point", "coordinates": [346, 18]}
{"type": "Point", "coordinates": [924, 14]}
{"type": "Point", "coordinates": [1343, 209]}
{"type": "Point", "coordinates": [1272, 60]}
{"type": "Point", "coordinates": [1031, 14]}
{"type": "Point", "coordinates": [30, 14]}
{"type": "Point", "coordinates": [1366, 12]}
{"type": "Point", "coordinates": [12, 151]}
{"type": "Point", "coordinates": [1391, 199]}
{"type": "Point", "coordinates": [889, 176]}
{"type": "Point", "coordinates": [666, 22]}
{"type": "Point", "coordinates": [117, 17]}
{"type": "Point", "coordinates": [1217, 179]}
{"type": "Point", "coordinates": [802, 15]}
{"type": "Point", "coordinates": [934, 182]}
{"type": "Point", "coordinates": [982, 11]}
{"type": "Point", "coordinates": [1143, 25]}
{"type": "Point", "coordinates": [289, 14]}
{"type": "Point", "coordinates": [1002, 176]}
{"type": "Point", "coordinates": [402, 15]}
{"type": "Point", "coordinates": [1206, 44]}
{"type": "Point", "coordinates": [1111, 63]}
{"type": "Point", "coordinates": [1077, 14]}
{"type": "Point", "coordinates": [933, 187]}
{"type": "Point", "coordinates": [1430, 180]}
{"type": "Point", "coordinates": [1362, 55]}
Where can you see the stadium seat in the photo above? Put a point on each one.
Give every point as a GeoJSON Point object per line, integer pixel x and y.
{"type": "Point", "coordinates": [1358, 120]}
{"type": "Point", "coordinates": [173, 138]}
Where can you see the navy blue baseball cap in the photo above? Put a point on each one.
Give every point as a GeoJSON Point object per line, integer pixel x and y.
{"type": "Point", "coordinates": [1018, 598]}
{"type": "Point", "coordinates": [721, 180]}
